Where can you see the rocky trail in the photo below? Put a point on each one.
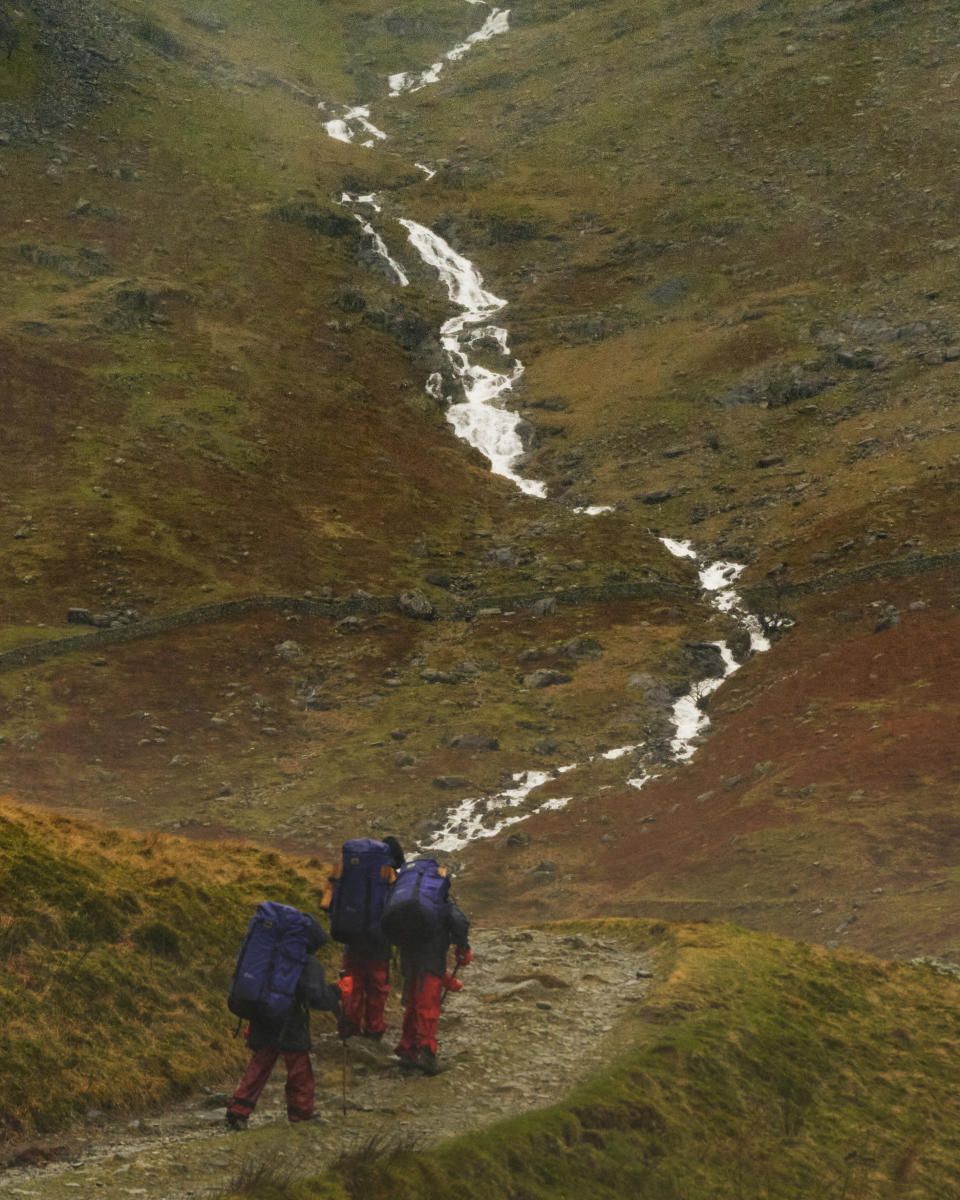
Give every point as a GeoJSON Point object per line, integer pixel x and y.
{"type": "Point", "coordinates": [538, 1013]}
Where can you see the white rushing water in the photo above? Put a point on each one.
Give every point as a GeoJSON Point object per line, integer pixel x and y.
{"type": "Point", "coordinates": [485, 816]}
{"type": "Point", "coordinates": [480, 419]}
{"type": "Point", "coordinates": [355, 123]}
{"type": "Point", "coordinates": [496, 22]}
{"type": "Point", "coordinates": [375, 239]}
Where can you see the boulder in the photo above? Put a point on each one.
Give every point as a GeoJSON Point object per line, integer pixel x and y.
{"type": "Point", "coordinates": [546, 606]}
{"type": "Point", "coordinates": [704, 659]}
{"type": "Point", "coordinates": [545, 678]}
{"type": "Point", "coordinates": [431, 675]}
{"type": "Point", "coordinates": [416, 605]}
{"type": "Point", "coordinates": [474, 741]}
{"type": "Point", "coordinates": [581, 647]}
{"type": "Point", "coordinates": [208, 21]}
{"type": "Point", "coordinates": [655, 692]}
{"type": "Point", "coordinates": [288, 650]}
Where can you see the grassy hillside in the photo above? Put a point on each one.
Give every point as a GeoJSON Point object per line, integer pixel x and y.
{"type": "Point", "coordinates": [729, 230]}
{"type": "Point", "coordinates": [725, 233]}
{"type": "Point", "coordinates": [116, 951]}
{"type": "Point", "coordinates": [214, 395]}
{"type": "Point", "coordinates": [757, 1068]}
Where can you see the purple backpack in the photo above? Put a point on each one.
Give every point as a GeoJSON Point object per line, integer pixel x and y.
{"type": "Point", "coordinates": [270, 963]}
{"type": "Point", "coordinates": [417, 904]}
{"type": "Point", "coordinates": [366, 873]}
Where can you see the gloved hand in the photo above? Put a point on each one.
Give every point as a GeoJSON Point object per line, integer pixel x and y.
{"type": "Point", "coordinates": [451, 983]}
{"type": "Point", "coordinates": [345, 985]}
{"type": "Point", "coordinates": [463, 956]}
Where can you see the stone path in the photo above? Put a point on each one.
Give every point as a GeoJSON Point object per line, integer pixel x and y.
{"type": "Point", "coordinates": [538, 1013]}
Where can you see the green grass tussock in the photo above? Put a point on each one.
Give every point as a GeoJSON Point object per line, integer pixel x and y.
{"type": "Point", "coordinates": [115, 956]}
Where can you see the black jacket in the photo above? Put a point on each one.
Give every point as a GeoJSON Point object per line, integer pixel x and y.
{"type": "Point", "coordinates": [377, 948]}
{"type": "Point", "coordinates": [431, 956]}
{"type": "Point", "coordinates": [291, 1034]}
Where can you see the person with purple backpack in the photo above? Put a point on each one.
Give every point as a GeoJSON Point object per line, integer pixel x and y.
{"type": "Point", "coordinates": [277, 981]}
{"type": "Point", "coordinates": [422, 920]}
{"type": "Point", "coordinates": [354, 897]}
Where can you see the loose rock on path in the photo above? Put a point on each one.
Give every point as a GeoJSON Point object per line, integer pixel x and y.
{"type": "Point", "coordinates": [538, 1013]}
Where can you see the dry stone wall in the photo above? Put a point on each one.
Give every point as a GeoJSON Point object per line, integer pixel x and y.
{"type": "Point", "coordinates": [761, 597]}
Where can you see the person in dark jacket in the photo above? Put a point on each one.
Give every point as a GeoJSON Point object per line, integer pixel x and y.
{"type": "Point", "coordinates": [366, 961]}
{"type": "Point", "coordinates": [290, 1037]}
{"type": "Point", "coordinates": [426, 981]}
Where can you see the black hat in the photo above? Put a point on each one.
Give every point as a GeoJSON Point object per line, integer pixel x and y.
{"type": "Point", "coordinates": [396, 851]}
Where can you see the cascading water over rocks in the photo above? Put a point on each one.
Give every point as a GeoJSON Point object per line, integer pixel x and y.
{"type": "Point", "coordinates": [480, 419]}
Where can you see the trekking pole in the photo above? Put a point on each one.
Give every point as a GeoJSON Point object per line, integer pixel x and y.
{"type": "Point", "coordinates": [343, 1076]}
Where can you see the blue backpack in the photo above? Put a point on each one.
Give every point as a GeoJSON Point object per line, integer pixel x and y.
{"type": "Point", "coordinates": [418, 903]}
{"type": "Point", "coordinates": [366, 873]}
{"type": "Point", "coordinates": [270, 963]}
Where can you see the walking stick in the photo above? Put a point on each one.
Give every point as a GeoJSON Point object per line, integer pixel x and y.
{"type": "Point", "coordinates": [343, 1076]}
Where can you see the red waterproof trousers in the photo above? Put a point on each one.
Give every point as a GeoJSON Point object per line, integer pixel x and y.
{"type": "Point", "coordinates": [299, 1087]}
{"type": "Point", "coordinates": [424, 998]}
{"type": "Point", "coordinates": [363, 1007]}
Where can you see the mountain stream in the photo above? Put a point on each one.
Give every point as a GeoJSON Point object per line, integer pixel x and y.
{"type": "Point", "coordinates": [481, 419]}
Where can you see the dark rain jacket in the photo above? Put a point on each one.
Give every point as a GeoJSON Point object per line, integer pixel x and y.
{"type": "Point", "coordinates": [430, 957]}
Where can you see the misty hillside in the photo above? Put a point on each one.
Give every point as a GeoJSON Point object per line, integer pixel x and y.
{"type": "Point", "coordinates": [533, 434]}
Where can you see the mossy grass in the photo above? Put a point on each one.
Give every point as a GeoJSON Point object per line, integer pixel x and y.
{"type": "Point", "coordinates": [115, 955]}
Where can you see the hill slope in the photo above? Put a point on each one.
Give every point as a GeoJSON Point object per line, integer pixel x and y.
{"type": "Point", "coordinates": [724, 233]}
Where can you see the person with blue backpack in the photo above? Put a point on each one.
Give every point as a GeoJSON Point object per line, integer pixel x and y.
{"type": "Point", "coordinates": [355, 897]}
{"type": "Point", "coordinates": [422, 920]}
{"type": "Point", "coordinates": [276, 982]}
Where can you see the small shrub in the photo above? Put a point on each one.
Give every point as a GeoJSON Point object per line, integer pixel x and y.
{"type": "Point", "coordinates": [21, 933]}
{"type": "Point", "coordinates": [361, 1169]}
{"type": "Point", "coordinates": [160, 39]}
{"type": "Point", "coordinates": [266, 1176]}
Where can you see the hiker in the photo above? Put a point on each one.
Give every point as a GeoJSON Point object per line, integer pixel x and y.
{"type": "Point", "coordinates": [423, 921]}
{"type": "Point", "coordinates": [354, 897]}
{"type": "Point", "coordinates": [288, 1035]}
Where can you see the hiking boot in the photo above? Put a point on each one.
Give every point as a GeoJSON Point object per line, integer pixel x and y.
{"type": "Point", "coordinates": [235, 1122]}
{"type": "Point", "coordinates": [347, 1029]}
{"type": "Point", "coordinates": [407, 1062]}
{"type": "Point", "coordinates": [427, 1062]}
